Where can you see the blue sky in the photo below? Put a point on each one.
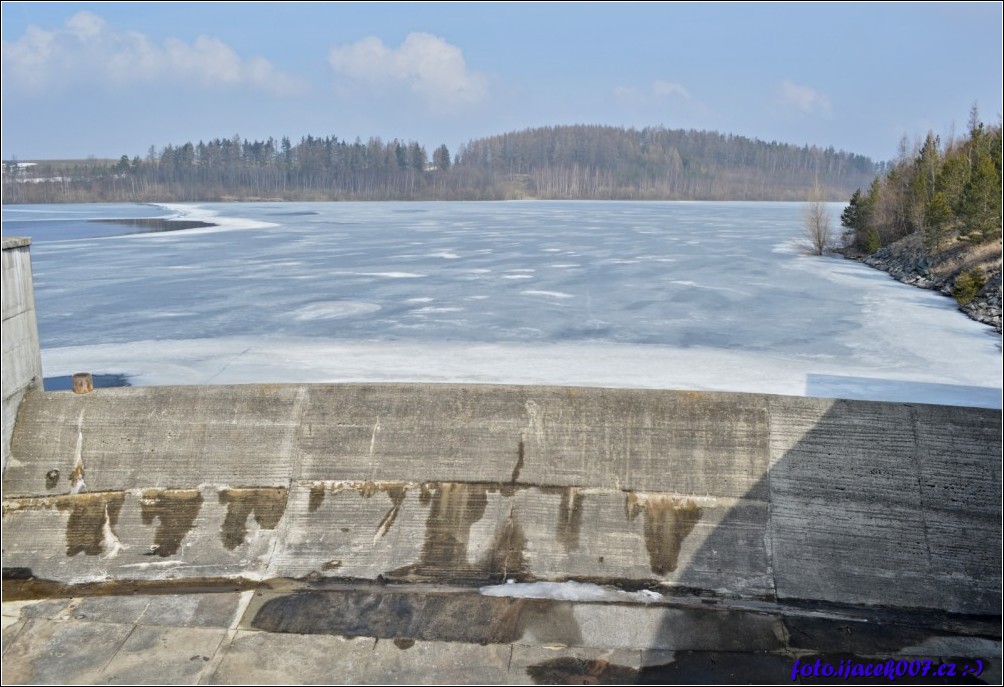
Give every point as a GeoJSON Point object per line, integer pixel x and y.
{"type": "Point", "coordinates": [108, 79]}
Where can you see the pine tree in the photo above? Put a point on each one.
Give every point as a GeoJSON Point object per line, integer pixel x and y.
{"type": "Point", "coordinates": [937, 215]}
{"type": "Point", "coordinates": [441, 157]}
{"type": "Point", "coordinates": [981, 200]}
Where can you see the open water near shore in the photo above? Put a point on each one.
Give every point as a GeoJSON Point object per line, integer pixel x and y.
{"type": "Point", "coordinates": [712, 296]}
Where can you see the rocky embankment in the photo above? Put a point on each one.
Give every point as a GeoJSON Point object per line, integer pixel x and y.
{"type": "Point", "coordinates": [906, 261]}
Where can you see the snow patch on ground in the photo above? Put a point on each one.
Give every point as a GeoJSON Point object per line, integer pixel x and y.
{"type": "Point", "coordinates": [242, 360]}
{"type": "Point", "coordinates": [570, 591]}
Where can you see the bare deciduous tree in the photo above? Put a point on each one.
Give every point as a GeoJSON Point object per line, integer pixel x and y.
{"type": "Point", "coordinates": [817, 223]}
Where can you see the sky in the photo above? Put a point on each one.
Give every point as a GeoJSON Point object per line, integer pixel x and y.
{"type": "Point", "coordinates": [107, 79]}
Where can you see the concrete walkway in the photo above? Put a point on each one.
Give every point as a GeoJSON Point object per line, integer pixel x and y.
{"type": "Point", "coordinates": [368, 634]}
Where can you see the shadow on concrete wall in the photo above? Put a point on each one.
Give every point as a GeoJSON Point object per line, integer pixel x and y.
{"type": "Point", "coordinates": [882, 540]}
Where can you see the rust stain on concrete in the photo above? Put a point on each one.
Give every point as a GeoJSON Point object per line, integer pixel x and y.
{"type": "Point", "coordinates": [316, 498]}
{"type": "Point", "coordinates": [177, 510]}
{"type": "Point", "coordinates": [520, 455]}
{"type": "Point", "coordinates": [77, 476]}
{"type": "Point", "coordinates": [570, 518]}
{"type": "Point", "coordinates": [267, 504]}
{"type": "Point", "coordinates": [85, 531]}
{"type": "Point", "coordinates": [506, 555]}
{"type": "Point", "coordinates": [569, 521]}
{"type": "Point", "coordinates": [668, 522]}
{"type": "Point", "coordinates": [395, 491]}
{"type": "Point", "coordinates": [396, 495]}
{"type": "Point", "coordinates": [454, 507]}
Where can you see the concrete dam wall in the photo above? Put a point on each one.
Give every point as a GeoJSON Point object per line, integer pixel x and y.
{"type": "Point", "coordinates": [721, 495]}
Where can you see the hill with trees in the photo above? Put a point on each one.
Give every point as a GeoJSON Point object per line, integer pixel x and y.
{"type": "Point", "coordinates": [934, 219]}
{"type": "Point", "coordinates": [562, 162]}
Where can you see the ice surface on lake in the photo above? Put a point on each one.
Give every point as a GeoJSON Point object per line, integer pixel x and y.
{"type": "Point", "coordinates": [711, 296]}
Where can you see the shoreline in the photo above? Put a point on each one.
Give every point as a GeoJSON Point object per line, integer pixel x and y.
{"type": "Point", "coordinates": [905, 262]}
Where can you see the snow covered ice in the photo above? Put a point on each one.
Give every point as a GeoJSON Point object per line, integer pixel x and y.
{"type": "Point", "coordinates": [711, 296]}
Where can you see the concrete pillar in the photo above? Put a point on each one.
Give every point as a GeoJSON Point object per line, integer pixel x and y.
{"type": "Point", "coordinates": [22, 359]}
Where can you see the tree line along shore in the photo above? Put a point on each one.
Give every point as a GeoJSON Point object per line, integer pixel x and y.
{"type": "Point", "coordinates": [561, 162]}
{"type": "Point", "coordinates": [933, 219]}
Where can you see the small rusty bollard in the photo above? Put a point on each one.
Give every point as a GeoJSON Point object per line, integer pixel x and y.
{"type": "Point", "coordinates": [83, 383]}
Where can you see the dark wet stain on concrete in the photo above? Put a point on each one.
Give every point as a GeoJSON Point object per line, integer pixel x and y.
{"type": "Point", "coordinates": [668, 522]}
{"type": "Point", "coordinates": [396, 492]}
{"type": "Point", "coordinates": [51, 479]}
{"type": "Point", "coordinates": [520, 455]}
{"type": "Point", "coordinates": [350, 614]}
{"type": "Point", "coordinates": [885, 632]}
{"type": "Point", "coordinates": [17, 573]}
{"type": "Point", "coordinates": [316, 497]}
{"type": "Point", "coordinates": [569, 515]}
{"type": "Point", "coordinates": [177, 510]}
{"type": "Point", "coordinates": [580, 671]}
{"type": "Point", "coordinates": [403, 643]}
{"type": "Point", "coordinates": [505, 558]}
{"type": "Point", "coordinates": [454, 507]}
{"type": "Point", "coordinates": [443, 617]}
{"type": "Point", "coordinates": [35, 588]}
{"type": "Point", "coordinates": [551, 623]}
{"type": "Point", "coordinates": [88, 513]}
{"type": "Point", "coordinates": [687, 667]}
{"type": "Point", "coordinates": [396, 495]}
{"type": "Point", "coordinates": [267, 504]}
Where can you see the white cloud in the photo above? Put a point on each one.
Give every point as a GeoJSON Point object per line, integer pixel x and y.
{"type": "Point", "coordinates": [629, 95]}
{"type": "Point", "coordinates": [87, 49]}
{"type": "Point", "coordinates": [426, 65]}
{"type": "Point", "coordinates": [668, 88]}
{"type": "Point", "coordinates": [660, 90]}
{"type": "Point", "coordinates": [802, 97]}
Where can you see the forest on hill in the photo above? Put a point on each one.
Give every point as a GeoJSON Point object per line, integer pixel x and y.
{"type": "Point", "coordinates": [560, 162]}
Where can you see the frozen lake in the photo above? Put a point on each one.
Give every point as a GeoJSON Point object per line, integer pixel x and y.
{"type": "Point", "coordinates": [663, 295]}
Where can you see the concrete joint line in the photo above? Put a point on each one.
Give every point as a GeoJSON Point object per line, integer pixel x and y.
{"type": "Point", "coordinates": [207, 673]}
{"type": "Point", "coordinates": [920, 485]}
{"type": "Point", "coordinates": [121, 645]}
{"type": "Point", "coordinates": [769, 532]}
